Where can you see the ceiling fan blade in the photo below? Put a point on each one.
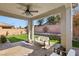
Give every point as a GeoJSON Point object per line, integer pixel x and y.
{"type": "Point", "coordinates": [30, 13]}
{"type": "Point", "coordinates": [27, 10]}
{"type": "Point", "coordinates": [33, 11]}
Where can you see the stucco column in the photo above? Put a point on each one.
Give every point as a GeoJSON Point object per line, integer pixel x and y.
{"type": "Point", "coordinates": [30, 30]}
{"type": "Point", "coordinates": [66, 29]}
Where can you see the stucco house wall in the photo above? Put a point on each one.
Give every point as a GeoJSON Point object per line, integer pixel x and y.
{"type": "Point", "coordinates": [76, 25]}
{"type": "Point", "coordinates": [12, 31]}
{"type": "Point", "coordinates": [51, 28]}
{"type": "Point", "coordinates": [0, 27]}
{"type": "Point", "coordinates": [6, 29]}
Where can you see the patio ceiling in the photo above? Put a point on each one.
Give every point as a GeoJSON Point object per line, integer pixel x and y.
{"type": "Point", "coordinates": [12, 9]}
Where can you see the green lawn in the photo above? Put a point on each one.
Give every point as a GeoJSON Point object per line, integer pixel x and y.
{"type": "Point", "coordinates": [54, 41]}
{"type": "Point", "coordinates": [23, 37]}
{"type": "Point", "coordinates": [16, 38]}
{"type": "Point", "coordinates": [75, 44]}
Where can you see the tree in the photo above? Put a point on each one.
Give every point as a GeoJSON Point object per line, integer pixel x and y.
{"type": "Point", "coordinates": [20, 27]}
{"type": "Point", "coordinates": [58, 18]}
{"type": "Point", "coordinates": [51, 20]}
{"type": "Point", "coordinates": [40, 22]}
{"type": "Point", "coordinates": [75, 25]}
{"type": "Point", "coordinates": [25, 27]}
{"type": "Point", "coordinates": [45, 29]}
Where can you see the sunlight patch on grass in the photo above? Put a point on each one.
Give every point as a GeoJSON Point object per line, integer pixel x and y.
{"type": "Point", "coordinates": [54, 41]}
{"type": "Point", "coordinates": [17, 38]}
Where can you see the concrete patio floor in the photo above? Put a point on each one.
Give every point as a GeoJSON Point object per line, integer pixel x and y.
{"type": "Point", "coordinates": [37, 51]}
{"type": "Point", "coordinates": [77, 51]}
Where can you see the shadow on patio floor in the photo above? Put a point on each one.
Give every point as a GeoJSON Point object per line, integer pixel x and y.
{"type": "Point", "coordinates": [37, 51]}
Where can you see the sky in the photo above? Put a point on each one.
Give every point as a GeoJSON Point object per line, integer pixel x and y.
{"type": "Point", "coordinates": [35, 22]}
{"type": "Point", "coordinates": [17, 22]}
{"type": "Point", "coordinates": [13, 21]}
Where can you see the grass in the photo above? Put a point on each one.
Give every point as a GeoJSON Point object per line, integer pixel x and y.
{"type": "Point", "coordinates": [75, 44]}
{"type": "Point", "coordinates": [24, 37]}
{"type": "Point", "coordinates": [16, 38]}
{"type": "Point", "coordinates": [54, 41]}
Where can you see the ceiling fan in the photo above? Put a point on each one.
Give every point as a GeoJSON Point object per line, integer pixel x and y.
{"type": "Point", "coordinates": [28, 10]}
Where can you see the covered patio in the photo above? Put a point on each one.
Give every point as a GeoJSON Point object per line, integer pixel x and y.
{"type": "Point", "coordinates": [44, 10]}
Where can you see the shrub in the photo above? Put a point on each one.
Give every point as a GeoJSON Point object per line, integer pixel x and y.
{"type": "Point", "coordinates": [52, 37]}
{"type": "Point", "coordinates": [3, 39]}
{"type": "Point", "coordinates": [55, 37]}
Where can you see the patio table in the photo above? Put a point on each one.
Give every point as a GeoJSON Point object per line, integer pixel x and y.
{"type": "Point", "coordinates": [16, 51]}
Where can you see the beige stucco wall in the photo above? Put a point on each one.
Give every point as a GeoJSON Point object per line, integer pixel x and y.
{"type": "Point", "coordinates": [0, 27]}
{"type": "Point", "coordinates": [51, 28]}
{"type": "Point", "coordinates": [12, 31]}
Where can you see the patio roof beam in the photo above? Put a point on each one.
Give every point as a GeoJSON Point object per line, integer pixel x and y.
{"type": "Point", "coordinates": [2, 13]}
{"type": "Point", "coordinates": [51, 12]}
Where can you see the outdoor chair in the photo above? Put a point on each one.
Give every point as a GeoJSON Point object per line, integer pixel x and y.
{"type": "Point", "coordinates": [42, 41]}
{"type": "Point", "coordinates": [70, 53]}
{"type": "Point", "coordinates": [40, 44]}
